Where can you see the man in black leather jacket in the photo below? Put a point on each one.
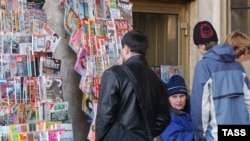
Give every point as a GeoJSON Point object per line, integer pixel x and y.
{"type": "Point", "coordinates": [119, 115]}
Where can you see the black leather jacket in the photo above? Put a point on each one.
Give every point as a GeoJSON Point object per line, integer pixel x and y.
{"type": "Point", "coordinates": [117, 100]}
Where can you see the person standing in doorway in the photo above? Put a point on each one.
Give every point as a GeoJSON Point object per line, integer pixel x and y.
{"type": "Point", "coordinates": [219, 92]}
{"type": "Point", "coordinates": [119, 114]}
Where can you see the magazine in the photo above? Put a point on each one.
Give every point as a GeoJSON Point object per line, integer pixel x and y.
{"type": "Point", "coordinates": [54, 92]}
{"type": "Point", "coordinates": [76, 41]}
{"type": "Point", "coordinates": [100, 27]}
{"type": "Point", "coordinates": [111, 37]}
{"type": "Point", "coordinates": [8, 65]}
{"type": "Point", "coordinates": [3, 92]}
{"type": "Point", "coordinates": [39, 57]}
{"type": "Point", "coordinates": [51, 66]}
{"type": "Point", "coordinates": [167, 71]}
{"type": "Point", "coordinates": [69, 19]}
{"type": "Point", "coordinates": [91, 134]}
{"type": "Point", "coordinates": [11, 91]}
{"type": "Point", "coordinates": [7, 43]}
{"type": "Point", "coordinates": [86, 82]}
{"type": "Point", "coordinates": [56, 112]}
{"type": "Point", "coordinates": [125, 10]}
{"type": "Point", "coordinates": [21, 63]}
{"type": "Point", "coordinates": [88, 105]}
{"type": "Point", "coordinates": [81, 62]}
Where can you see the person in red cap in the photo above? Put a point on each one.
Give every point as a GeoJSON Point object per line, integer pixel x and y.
{"type": "Point", "coordinates": [219, 92]}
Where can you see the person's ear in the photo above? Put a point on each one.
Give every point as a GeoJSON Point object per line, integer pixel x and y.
{"type": "Point", "coordinates": [126, 49]}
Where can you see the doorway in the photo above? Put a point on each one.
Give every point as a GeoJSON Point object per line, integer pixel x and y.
{"type": "Point", "coordinates": [166, 25]}
{"type": "Point", "coordinates": [161, 30]}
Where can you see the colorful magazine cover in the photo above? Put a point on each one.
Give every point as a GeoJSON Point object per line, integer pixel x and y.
{"type": "Point", "coordinates": [91, 134]}
{"type": "Point", "coordinates": [39, 57]}
{"type": "Point", "coordinates": [11, 91]}
{"type": "Point", "coordinates": [81, 62]}
{"type": "Point", "coordinates": [86, 82]}
{"type": "Point", "coordinates": [3, 92]}
{"type": "Point", "coordinates": [51, 66]}
{"type": "Point", "coordinates": [70, 18]}
{"type": "Point", "coordinates": [125, 10]}
{"type": "Point", "coordinates": [88, 105]}
{"type": "Point", "coordinates": [7, 43]}
{"type": "Point", "coordinates": [76, 41]}
{"type": "Point", "coordinates": [56, 112]}
{"type": "Point", "coordinates": [21, 63]}
{"type": "Point", "coordinates": [167, 71]}
{"type": "Point", "coordinates": [54, 91]}
{"type": "Point", "coordinates": [6, 65]}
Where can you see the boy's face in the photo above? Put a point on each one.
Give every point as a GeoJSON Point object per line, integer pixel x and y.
{"type": "Point", "coordinates": [178, 101]}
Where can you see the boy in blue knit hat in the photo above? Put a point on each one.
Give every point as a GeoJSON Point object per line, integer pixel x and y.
{"type": "Point", "coordinates": [180, 128]}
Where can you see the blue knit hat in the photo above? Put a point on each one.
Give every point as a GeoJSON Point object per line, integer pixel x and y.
{"type": "Point", "coordinates": [176, 85]}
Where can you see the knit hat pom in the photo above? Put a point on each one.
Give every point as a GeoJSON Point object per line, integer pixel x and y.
{"type": "Point", "coordinates": [176, 85]}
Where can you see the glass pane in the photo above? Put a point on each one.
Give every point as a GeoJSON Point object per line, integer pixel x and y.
{"type": "Point", "coordinates": [162, 33]}
{"type": "Point", "coordinates": [240, 15]}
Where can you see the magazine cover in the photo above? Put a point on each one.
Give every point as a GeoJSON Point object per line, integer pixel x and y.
{"type": "Point", "coordinates": [86, 82]}
{"type": "Point", "coordinates": [18, 92]}
{"type": "Point", "coordinates": [91, 134]}
{"type": "Point", "coordinates": [125, 10]}
{"type": "Point", "coordinates": [3, 92]}
{"type": "Point", "coordinates": [7, 43]}
{"type": "Point", "coordinates": [9, 66]}
{"type": "Point", "coordinates": [8, 21]}
{"type": "Point", "coordinates": [111, 37]}
{"type": "Point", "coordinates": [39, 18]}
{"type": "Point", "coordinates": [100, 27]}
{"type": "Point", "coordinates": [54, 92]}
{"type": "Point", "coordinates": [1, 42]}
{"type": "Point", "coordinates": [81, 62]}
{"type": "Point", "coordinates": [101, 45]}
{"type": "Point", "coordinates": [21, 21]}
{"type": "Point", "coordinates": [22, 44]}
{"type": "Point", "coordinates": [43, 136]}
{"type": "Point", "coordinates": [168, 71]}
{"type": "Point", "coordinates": [28, 26]}
{"type": "Point", "coordinates": [51, 66]}
{"type": "Point", "coordinates": [21, 63]}
{"type": "Point", "coordinates": [56, 112]}
{"type": "Point", "coordinates": [88, 105]}
{"type": "Point", "coordinates": [11, 91]}
{"type": "Point", "coordinates": [39, 57]}
{"type": "Point", "coordinates": [54, 135]}
{"type": "Point", "coordinates": [15, 20]}
{"type": "Point", "coordinates": [69, 19]}
{"type": "Point", "coordinates": [114, 10]}
{"type": "Point", "coordinates": [76, 41]}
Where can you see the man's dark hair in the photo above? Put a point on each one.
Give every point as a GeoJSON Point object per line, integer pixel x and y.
{"type": "Point", "coordinates": [136, 41]}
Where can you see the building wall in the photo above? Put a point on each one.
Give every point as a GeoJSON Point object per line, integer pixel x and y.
{"type": "Point", "coordinates": [71, 79]}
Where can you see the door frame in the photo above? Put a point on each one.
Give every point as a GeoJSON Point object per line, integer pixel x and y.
{"type": "Point", "coordinates": [180, 8]}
